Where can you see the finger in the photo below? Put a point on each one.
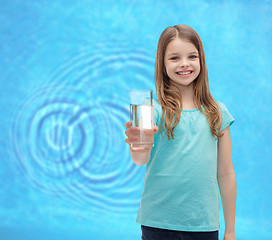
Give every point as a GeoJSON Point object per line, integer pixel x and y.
{"type": "Point", "coordinates": [131, 140]}
{"type": "Point", "coordinates": [156, 129]}
{"type": "Point", "coordinates": [132, 130]}
{"type": "Point", "coordinates": [128, 124]}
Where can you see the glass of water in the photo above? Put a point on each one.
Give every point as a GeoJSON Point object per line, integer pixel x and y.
{"type": "Point", "coordinates": [141, 115]}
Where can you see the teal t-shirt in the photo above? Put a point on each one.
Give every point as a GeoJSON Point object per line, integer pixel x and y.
{"type": "Point", "coordinates": [180, 185]}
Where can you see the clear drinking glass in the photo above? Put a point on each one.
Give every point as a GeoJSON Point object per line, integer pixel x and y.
{"type": "Point", "coordinates": [141, 115]}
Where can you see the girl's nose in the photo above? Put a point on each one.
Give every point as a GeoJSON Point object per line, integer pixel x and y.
{"type": "Point", "coordinates": [184, 63]}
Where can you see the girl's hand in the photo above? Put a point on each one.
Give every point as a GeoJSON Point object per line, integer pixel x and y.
{"type": "Point", "coordinates": [229, 236]}
{"type": "Point", "coordinates": [130, 132]}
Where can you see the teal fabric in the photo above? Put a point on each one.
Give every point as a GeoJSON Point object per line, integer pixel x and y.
{"type": "Point", "coordinates": [180, 186]}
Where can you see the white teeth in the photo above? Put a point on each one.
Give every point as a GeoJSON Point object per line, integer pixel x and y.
{"type": "Point", "coordinates": [184, 73]}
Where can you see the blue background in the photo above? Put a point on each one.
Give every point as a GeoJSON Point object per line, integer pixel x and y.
{"type": "Point", "coordinates": [66, 68]}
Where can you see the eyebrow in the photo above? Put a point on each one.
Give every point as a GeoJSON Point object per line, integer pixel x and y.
{"type": "Point", "coordinates": [178, 53]}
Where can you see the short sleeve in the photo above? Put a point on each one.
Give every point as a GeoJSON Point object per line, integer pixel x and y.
{"type": "Point", "coordinates": [227, 118]}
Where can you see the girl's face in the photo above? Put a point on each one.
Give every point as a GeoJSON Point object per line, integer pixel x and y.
{"type": "Point", "coordinates": [181, 61]}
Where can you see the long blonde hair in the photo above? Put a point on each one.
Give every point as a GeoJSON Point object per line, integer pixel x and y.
{"type": "Point", "coordinates": [171, 99]}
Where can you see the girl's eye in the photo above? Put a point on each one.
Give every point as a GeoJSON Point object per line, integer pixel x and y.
{"type": "Point", "coordinates": [193, 57]}
{"type": "Point", "coordinates": [174, 58]}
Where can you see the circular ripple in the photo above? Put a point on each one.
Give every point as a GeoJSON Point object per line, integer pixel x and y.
{"type": "Point", "coordinates": [69, 136]}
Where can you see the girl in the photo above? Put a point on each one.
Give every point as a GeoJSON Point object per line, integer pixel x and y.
{"type": "Point", "coordinates": [192, 152]}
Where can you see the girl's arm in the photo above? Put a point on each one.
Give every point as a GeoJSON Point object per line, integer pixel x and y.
{"type": "Point", "coordinates": [227, 183]}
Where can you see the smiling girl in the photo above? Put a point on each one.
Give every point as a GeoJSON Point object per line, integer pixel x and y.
{"type": "Point", "coordinates": [191, 154]}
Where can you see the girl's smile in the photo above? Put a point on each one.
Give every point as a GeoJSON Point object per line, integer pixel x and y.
{"type": "Point", "coordinates": [185, 73]}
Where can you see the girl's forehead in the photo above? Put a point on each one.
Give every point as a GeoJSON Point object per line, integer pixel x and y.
{"type": "Point", "coordinates": [179, 44]}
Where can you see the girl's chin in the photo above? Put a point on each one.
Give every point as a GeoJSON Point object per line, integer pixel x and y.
{"type": "Point", "coordinates": [181, 83]}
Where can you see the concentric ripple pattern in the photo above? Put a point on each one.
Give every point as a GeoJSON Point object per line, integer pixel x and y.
{"type": "Point", "coordinates": [69, 135]}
